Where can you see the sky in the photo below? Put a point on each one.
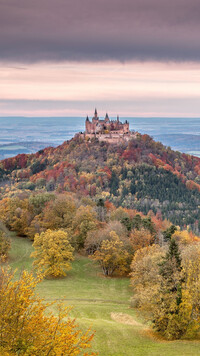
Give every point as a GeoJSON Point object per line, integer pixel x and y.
{"type": "Point", "coordinates": [128, 57]}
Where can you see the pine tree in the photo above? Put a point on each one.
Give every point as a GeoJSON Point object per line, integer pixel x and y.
{"type": "Point", "coordinates": [166, 315]}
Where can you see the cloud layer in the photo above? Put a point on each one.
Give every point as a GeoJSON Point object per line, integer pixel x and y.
{"type": "Point", "coordinates": [97, 30]}
{"type": "Point", "coordinates": [134, 89]}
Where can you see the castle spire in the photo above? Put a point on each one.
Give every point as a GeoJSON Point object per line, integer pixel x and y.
{"type": "Point", "coordinates": [95, 113]}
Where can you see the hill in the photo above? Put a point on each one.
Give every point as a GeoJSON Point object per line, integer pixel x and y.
{"type": "Point", "coordinates": [140, 174]}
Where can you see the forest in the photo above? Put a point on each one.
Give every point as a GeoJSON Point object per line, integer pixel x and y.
{"type": "Point", "coordinates": [141, 174]}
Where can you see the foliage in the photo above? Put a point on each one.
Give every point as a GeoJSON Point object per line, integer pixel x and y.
{"type": "Point", "coordinates": [84, 221]}
{"type": "Point", "coordinates": [53, 253]}
{"type": "Point", "coordinates": [26, 328]}
{"type": "Point", "coordinates": [167, 318]}
{"type": "Point", "coordinates": [59, 213]}
{"type": "Point", "coordinates": [112, 256]}
{"type": "Point", "coordinates": [96, 237]}
{"type": "Point", "coordinates": [167, 288]}
{"type": "Point", "coordinates": [4, 246]}
{"type": "Point", "coordinates": [145, 278]}
{"type": "Point", "coordinates": [140, 239]}
{"type": "Point", "coordinates": [141, 174]}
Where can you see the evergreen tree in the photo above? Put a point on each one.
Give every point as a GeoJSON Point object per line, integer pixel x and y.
{"type": "Point", "coordinates": [166, 314]}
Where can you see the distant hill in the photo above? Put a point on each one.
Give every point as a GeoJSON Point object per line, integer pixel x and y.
{"type": "Point", "coordinates": [13, 149]}
{"type": "Point", "coordinates": [181, 142]}
{"type": "Point", "coordinates": [141, 174]}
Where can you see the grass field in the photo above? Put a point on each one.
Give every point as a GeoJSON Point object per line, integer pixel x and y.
{"type": "Point", "coordinates": [94, 298]}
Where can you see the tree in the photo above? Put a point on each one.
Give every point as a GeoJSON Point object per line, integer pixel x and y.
{"type": "Point", "coordinates": [28, 328]}
{"type": "Point", "coordinates": [84, 221]}
{"type": "Point", "coordinates": [166, 315]}
{"type": "Point", "coordinates": [141, 238]}
{"type": "Point", "coordinates": [190, 305]}
{"type": "Point", "coordinates": [4, 246]}
{"type": "Point", "coordinates": [53, 253]}
{"type": "Point", "coordinates": [59, 213]}
{"type": "Point", "coordinates": [112, 256]}
{"type": "Point", "coordinates": [95, 238]}
{"type": "Point", "coordinates": [145, 278]}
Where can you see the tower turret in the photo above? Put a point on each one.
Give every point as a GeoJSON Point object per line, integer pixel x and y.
{"type": "Point", "coordinates": [107, 118]}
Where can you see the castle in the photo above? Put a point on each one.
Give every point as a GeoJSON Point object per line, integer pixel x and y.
{"type": "Point", "coordinates": [98, 126]}
{"type": "Point", "coordinates": [113, 131]}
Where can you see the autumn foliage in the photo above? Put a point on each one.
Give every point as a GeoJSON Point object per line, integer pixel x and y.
{"type": "Point", "coordinates": [53, 253]}
{"type": "Point", "coordinates": [28, 328]}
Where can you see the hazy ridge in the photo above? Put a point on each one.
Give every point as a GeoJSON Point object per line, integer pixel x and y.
{"type": "Point", "coordinates": [28, 135]}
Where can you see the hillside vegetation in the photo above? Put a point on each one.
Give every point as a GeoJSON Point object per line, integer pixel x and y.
{"type": "Point", "coordinates": [141, 174]}
{"type": "Point", "coordinates": [100, 217]}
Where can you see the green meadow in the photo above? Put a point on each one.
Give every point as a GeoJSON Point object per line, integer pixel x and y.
{"type": "Point", "coordinates": [103, 304]}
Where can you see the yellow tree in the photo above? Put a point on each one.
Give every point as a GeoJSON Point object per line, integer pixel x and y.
{"type": "Point", "coordinates": [4, 246]}
{"type": "Point", "coordinates": [28, 328]}
{"type": "Point", "coordinates": [53, 253]}
{"type": "Point", "coordinates": [112, 256]}
{"type": "Point", "coordinates": [145, 278]}
{"type": "Point", "coordinates": [189, 314]}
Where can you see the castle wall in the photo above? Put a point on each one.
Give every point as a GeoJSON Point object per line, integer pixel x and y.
{"type": "Point", "coordinates": [113, 138]}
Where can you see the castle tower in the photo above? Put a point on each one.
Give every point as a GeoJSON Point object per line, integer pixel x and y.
{"type": "Point", "coordinates": [95, 114]}
{"type": "Point", "coordinates": [87, 125]}
{"type": "Point", "coordinates": [106, 118]}
{"type": "Point", "coordinates": [126, 127]}
{"type": "Point", "coordinates": [95, 118]}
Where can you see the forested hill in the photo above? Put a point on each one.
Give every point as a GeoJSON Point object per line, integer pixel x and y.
{"type": "Point", "coordinates": [141, 174]}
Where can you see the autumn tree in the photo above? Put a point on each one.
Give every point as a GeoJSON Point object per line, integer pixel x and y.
{"type": "Point", "coordinates": [53, 253]}
{"type": "Point", "coordinates": [167, 289]}
{"type": "Point", "coordinates": [28, 328]}
{"type": "Point", "coordinates": [112, 256]}
{"type": "Point", "coordinates": [96, 237]}
{"type": "Point", "coordinates": [84, 221]}
{"type": "Point", "coordinates": [141, 238]}
{"type": "Point", "coordinates": [189, 312]}
{"type": "Point", "coordinates": [59, 213]}
{"type": "Point", "coordinates": [4, 246]}
{"type": "Point", "coordinates": [145, 278]}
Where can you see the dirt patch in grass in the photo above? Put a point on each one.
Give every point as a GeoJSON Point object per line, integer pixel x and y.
{"type": "Point", "coordinates": [124, 319]}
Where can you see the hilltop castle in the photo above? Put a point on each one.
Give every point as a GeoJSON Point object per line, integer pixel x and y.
{"type": "Point", "coordinates": [98, 126]}
{"type": "Point", "coordinates": [112, 131]}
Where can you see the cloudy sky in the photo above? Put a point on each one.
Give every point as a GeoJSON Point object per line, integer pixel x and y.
{"type": "Point", "coordinates": [131, 57]}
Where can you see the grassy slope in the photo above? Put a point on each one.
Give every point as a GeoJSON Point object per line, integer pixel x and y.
{"type": "Point", "coordinates": [94, 298]}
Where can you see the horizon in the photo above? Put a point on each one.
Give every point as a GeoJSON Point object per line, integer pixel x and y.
{"type": "Point", "coordinates": [101, 116]}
